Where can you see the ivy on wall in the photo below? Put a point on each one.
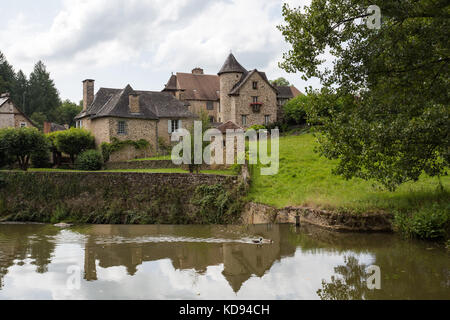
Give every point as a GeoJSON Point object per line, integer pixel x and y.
{"type": "Point", "coordinates": [116, 145]}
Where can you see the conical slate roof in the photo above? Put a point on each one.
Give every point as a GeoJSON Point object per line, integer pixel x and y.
{"type": "Point", "coordinates": [231, 65]}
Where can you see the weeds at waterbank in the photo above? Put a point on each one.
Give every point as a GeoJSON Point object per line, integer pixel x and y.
{"type": "Point", "coordinates": [119, 198]}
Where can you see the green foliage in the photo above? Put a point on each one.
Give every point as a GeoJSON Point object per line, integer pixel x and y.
{"type": "Point", "coordinates": [41, 158]}
{"type": "Point", "coordinates": [38, 119]}
{"type": "Point", "coordinates": [430, 223]}
{"type": "Point", "coordinates": [66, 113]}
{"type": "Point", "coordinates": [89, 160]}
{"type": "Point", "coordinates": [164, 147]}
{"type": "Point", "coordinates": [393, 84]}
{"type": "Point", "coordinates": [42, 94]}
{"type": "Point", "coordinates": [73, 141]}
{"type": "Point", "coordinates": [22, 143]}
{"type": "Point", "coordinates": [116, 145]}
{"type": "Point", "coordinates": [216, 205]}
{"type": "Point", "coordinates": [257, 127]}
{"type": "Point", "coordinates": [280, 125]}
{"type": "Point", "coordinates": [280, 82]}
{"type": "Point", "coordinates": [295, 110]}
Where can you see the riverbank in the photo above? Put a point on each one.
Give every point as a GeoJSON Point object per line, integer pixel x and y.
{"type": "Point", "coordinates": [305, 180]}
{"type": "Point", "coordinates": [119, 197]}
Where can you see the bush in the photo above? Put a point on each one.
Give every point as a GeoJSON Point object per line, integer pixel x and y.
{"type": "Point", "coordinates": [295, 110]}
{"type": "Point", "coordinates": [90, 160]}
{"type": "Point", "coordinates": [282, 126]}
{"type": "Point", "coordinates": [257, 127]}
{"type": "Point", "coordinates": [116, 145]}
{"type": "Point", "coordinates": [428, 224]}
{"type": "Point", "coordinates": [41, 159]}
{"type": "Point", "coordinates": [73, 142]}
{"type": "Point", "coordinates": [20, 144]}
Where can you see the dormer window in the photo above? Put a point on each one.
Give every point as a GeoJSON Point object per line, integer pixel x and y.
{"type": "Point", "coordinates": [255, 85]}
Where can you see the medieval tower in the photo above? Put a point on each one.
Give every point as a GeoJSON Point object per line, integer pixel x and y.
{"type": "Point", "coordinates": [229, 75]}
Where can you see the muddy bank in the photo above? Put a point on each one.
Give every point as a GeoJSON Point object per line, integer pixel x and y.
{"type": "Point", "coordinates": [256, 213]}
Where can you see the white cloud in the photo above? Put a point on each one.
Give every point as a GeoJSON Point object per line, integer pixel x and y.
{"type": "Point", "coordinates": [149, 39]}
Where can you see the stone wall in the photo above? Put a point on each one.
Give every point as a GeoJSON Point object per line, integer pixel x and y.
{"type": "Point", "coordinates": [198, 107]}
{"type": "Point", "coordinates": [266, 95]}
{"type": "Point", "coordinates": [142, 164]}
{"type": "Point", "coordinates": [256, 213]}
{"type": "Point", "coordinates": [104, 197]}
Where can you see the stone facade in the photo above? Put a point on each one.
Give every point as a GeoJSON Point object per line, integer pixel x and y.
{"type": "Point", "coordinates": [241, 105]}
{"type": "Point", "coordinates": [231, 93]}
{"type": "Point", "coordinates": [11, 116]}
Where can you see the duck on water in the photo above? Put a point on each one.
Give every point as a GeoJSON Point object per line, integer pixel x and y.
{"type": "Point", "coordinates": [262, 241]}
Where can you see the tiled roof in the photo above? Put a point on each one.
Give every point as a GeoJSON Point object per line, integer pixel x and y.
{"type": "Point", "coordinates": [229, 125]}
{"type": "Point", "coordinates": [232, 65]}
{"type": "Point", "coordinates": [287, 92]}
{"type": "Point", "coordinates": [199, 86]}
{"type": "Point", "coordinates": [153, 105]}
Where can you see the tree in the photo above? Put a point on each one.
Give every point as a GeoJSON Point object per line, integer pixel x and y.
{"type": "Point", "coordinates": [7, 76]}
{"type": "Point", "coordinates": [392, 123]}
{"type": "Point", "coordinates": [66, 113]}
{"type": "Point", "coordinates": [280, 82]}
{"type": "Point", "coordinates": [43, 95]}
{"type": "Point", "coordinates": [22, 143]}
{"type": "Point", "coordinates": [21, 90]}
{"type": "Point", "coordinates": [73, 142]}
{"type": "Point", "coordinates": [38, 119]}
{"type": "Point", "coordinates": [295, 109]}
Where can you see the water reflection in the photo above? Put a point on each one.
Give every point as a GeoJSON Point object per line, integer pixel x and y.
{"type": "Point", "coordinates": [215, 262]}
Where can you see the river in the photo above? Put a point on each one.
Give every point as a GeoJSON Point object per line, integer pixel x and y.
{"type": "Point", "coordinates": [216, 262]}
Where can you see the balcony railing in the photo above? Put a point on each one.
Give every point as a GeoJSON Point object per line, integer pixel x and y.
{"type": "Point", "coordinates": [256, 106]}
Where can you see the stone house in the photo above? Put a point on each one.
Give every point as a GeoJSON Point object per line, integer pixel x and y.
{"type": "Point", "coordinates": [128, 114]}
{"type": "Point", "coordinates": [285, 93]}
{"type": "Point", "coordinates": [11, 116]}
{"type": "Point", "coordinates": [244, 97]}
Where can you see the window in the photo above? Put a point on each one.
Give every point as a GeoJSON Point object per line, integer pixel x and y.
{"type": "Point", "coordinates": [79, 124]}
{"type": "Point", "coordinates": [244, 120]}
{"type": "Point", "coordinates": [209, 105]}
{"type": "Point", "coordinates": [23, 124]}
{"type": "Point", "coordinates": [174, 125]}
{"type": "Point", "coordinates": [255, 99]}
{"type": "Point", "coordinates": [121, 127]}
{"type": "Point", "coordinates": [219, 107]}
{"type": "Point", "coordinates": [255, 85]}
{"type": "Point", "coordinates": [211, 119]}
{"type": "Point", "coordinates": [267, 119]}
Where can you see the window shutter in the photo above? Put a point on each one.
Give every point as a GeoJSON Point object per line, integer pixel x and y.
{"type": "Point", "coordinates": [180, 124]}
{"type": "Point", "coordinates": [170, 126]}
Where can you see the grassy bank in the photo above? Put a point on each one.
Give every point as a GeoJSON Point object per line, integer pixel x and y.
{"type": "Point", "coordinates": [305, 179]}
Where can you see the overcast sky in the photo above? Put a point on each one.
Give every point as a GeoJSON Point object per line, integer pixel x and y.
{"type": "Point", "coordinates": [141, 42]}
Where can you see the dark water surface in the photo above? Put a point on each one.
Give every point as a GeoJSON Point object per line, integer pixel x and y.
{"type": "Point", "coordinates": [214, 262]}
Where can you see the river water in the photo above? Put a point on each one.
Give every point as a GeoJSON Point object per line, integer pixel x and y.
{"type": "Point", "coordinates": [216, 262]}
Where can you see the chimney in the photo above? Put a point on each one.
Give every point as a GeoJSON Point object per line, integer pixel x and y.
{"type": "Point", "coordinates": [134, 103]}
{"type": "Point", "coordinates": [88, 93]}
{"type": "Point", "coordinates": [197, 71]}
{"type": "Point", "coordinates": [47, 127]}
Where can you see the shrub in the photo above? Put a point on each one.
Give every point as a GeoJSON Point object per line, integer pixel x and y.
{"type": "Point", "coordinates": [429, 224]}
{"type": "Point", "coordinates": [20, 144]}
{"type": "Point", "coordinates": [295, 110]}
{"type": "Point", "coordinates": [73, 142]}
{"type": "Point", "coordinates": [90, 160]}
{"type": "Point", "coordinates": [257, 127]}
{"type": "Point", "coordinates": [41, 159]}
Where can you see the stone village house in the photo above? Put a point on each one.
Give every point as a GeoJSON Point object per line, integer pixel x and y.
{"type": "Point", "coordinates": [243, 97]}
{"type": "Point", "coordinates": [11, 116]}
{"type": "Point", "coordinates": [128, 114]}
{"type": "Point", "coordinates": [235, 97]}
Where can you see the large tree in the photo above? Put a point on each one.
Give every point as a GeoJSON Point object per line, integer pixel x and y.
{"type": "Point", "coordinates": [42, 92]}
{"type": "Point", "coordinates": [393, 124]}
{"type": "Point", "coordinates": [21, 90]}
{"type": "Point", "coordinates": [280, 82]}
{"type": "Point", "coordinates": [7, 76]}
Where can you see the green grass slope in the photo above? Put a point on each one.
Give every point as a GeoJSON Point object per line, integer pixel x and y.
{"type": "Point", "coordinates": [305, 179]}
